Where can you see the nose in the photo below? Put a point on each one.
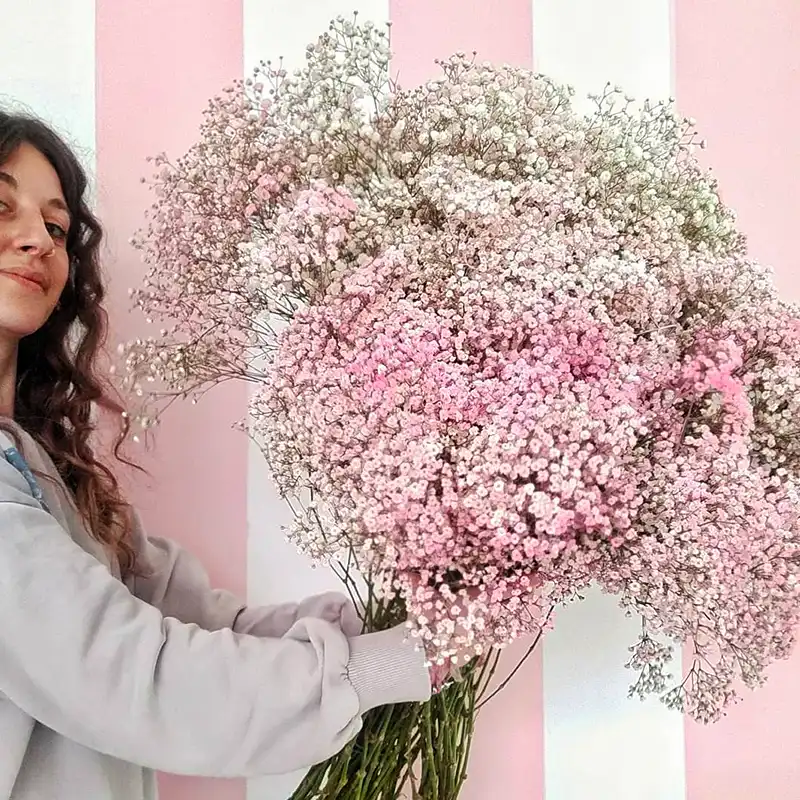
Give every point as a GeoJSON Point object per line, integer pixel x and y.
{"type": "Point", "coordinates": [31, 236]}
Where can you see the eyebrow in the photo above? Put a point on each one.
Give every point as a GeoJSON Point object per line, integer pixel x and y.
{"type": "Point", "coordinates": [55, 202]}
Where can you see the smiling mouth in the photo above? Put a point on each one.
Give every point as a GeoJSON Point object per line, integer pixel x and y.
{"type": "Point", "coordinates": [23, 281]}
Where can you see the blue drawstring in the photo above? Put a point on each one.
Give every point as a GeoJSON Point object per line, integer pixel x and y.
{"type": "Point", "coordinates": [14, 457]}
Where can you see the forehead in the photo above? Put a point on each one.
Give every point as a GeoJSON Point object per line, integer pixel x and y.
{"type": "Point", "coordinates": [33, 173]}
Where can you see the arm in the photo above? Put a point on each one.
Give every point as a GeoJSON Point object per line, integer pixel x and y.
{"type": "Point", "coordinates": [89, 660]}
{"type": "Point", "coordinates": [175, 582]}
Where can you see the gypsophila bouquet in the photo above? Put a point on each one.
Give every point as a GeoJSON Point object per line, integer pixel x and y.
{"type": "Point", "coordinates": [523, 350]}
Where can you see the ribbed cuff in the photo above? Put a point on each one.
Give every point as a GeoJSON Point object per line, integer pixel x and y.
{"type": "Point", "coordinates": [386, 667]}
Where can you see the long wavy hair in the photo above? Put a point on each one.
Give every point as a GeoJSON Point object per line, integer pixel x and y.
{"type": "Point", "coordinates": [58, 389]}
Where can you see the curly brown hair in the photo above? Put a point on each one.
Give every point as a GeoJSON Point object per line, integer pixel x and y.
{"type": "Point", "coordinates": [58, 389]}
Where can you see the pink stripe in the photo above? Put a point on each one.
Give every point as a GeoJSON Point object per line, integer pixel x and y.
{"type": "Point", "coordinates": [157, 65]}
{"type": "Point", "coordinates": [737, 73]}
{"type": "Point", "coordinates": [508, 757]}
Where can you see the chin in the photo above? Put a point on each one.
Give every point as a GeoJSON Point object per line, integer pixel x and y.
{"type": "Point", "coordinates": [18, 326]}
{"type": "Point", "coordinates": [22, 313]}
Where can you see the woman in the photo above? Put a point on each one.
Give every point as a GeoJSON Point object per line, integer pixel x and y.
{"type": "Point", "coordinates": [116, 657]}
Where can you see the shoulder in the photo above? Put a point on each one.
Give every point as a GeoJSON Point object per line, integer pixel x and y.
{"type": "Point", "coordinates": [12, 434]}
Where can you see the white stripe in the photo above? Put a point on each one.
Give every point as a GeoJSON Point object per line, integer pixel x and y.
{"type": "Point", "coordinates": [599, 743]}
{"type": "Point", "coordinates": [275, 571]}
{"type": "Point", "coordinates": [48, 67]}
{"type": "Point", "coordinates": [588, 43]}
{"type": "Point", "coordinates": [278, 28]}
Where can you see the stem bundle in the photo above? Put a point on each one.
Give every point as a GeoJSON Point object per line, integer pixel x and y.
{"type": "Point", "coordinates": [415, 751]}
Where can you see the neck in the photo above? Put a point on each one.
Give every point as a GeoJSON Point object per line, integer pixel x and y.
{"type": "Point", "coordinates": [8, 377]}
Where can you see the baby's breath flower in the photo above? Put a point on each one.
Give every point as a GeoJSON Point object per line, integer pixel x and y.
{"type": "Point", "coordinates": [509, 349]}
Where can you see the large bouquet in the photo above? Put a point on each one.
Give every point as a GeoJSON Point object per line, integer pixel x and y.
{"type": "Point", "coordinates": [521, 350]}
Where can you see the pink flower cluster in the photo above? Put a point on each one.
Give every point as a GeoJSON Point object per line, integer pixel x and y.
{"type": "Point", "coordinates": [523, 350]}
{"type": "Point", "coordinates": [457, 445]}
{"type": "Point", "coordinates": [504, 446]}
{"type": "Point", "coordinates": [499, 451]}
{"type": "Point", "coordinates": [714, 560]}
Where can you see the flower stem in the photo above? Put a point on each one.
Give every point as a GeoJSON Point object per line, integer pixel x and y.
{"type": "Point", "coordinates": [423, 747]}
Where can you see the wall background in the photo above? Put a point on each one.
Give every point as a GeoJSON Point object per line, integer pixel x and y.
{"type": "Point", "coordinates": [125, 80]}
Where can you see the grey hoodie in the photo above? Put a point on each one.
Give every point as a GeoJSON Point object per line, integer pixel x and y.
{"type": "Point", "coordinates": [102, 681]}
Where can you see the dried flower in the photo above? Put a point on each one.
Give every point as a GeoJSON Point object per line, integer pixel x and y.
{"type": "Point", "coordinates": [520, 350]}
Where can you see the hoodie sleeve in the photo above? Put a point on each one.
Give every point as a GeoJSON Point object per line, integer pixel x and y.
{"type": "Point", "coordinates": [174, 581]}
{"type": "Point", "coordinates": [85, 657]}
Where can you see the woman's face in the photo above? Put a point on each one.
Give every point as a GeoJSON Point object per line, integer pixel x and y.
{"type": "Point", "coordinates": [34, 221]}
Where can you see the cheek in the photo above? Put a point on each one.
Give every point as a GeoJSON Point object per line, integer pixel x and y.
{"type": "Point", "coordinates": [59, 274]}
{"type": "Point", "coordinates": [5, 238]}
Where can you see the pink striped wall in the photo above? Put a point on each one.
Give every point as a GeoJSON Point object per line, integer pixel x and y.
{"type": "Point", "coordinates": [157, 65]}
{"type": "Point", "coordinates": [735, 66]}
{"type": "Point", "coordinates": [737, 70]}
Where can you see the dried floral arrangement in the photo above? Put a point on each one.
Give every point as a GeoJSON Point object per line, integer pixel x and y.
{"type": "Point", "coordinates": [501, 350]}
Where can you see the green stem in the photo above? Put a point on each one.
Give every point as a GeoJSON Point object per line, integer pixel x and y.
{"type": "Point", "coordinates": [429, 763]}
{"type": "Point", "coordinates": [424, 746]}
